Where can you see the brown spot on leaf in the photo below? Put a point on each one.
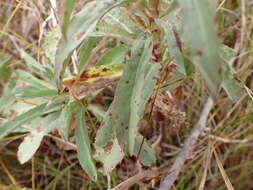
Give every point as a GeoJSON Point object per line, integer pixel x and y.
{"type": "Point", "coordinates": [80, 35]}
{"type": "Point", "coordinates": [105, 69]}
{"type": "Point", "coordinates": [108, 147]}
{"type": "Point", "coordinates": [199, 53]}
{"type": "Point", "coordinates": [95, 75]}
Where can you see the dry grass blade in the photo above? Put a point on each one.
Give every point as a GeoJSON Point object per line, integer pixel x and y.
{"type": "Point", "coordinates": [10, 176]}
{"type": "Point", "coordinates": [223, 172]}
{"type": "Point", "coordinates": [208, 154]}
{"type": "Point", "coordinates": [20, 3]}
{"type": "Point", "coordinates": [138, 177]}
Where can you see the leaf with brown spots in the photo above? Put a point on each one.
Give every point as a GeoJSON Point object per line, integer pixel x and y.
{"type": "Point", "coordinates": [92, 79]}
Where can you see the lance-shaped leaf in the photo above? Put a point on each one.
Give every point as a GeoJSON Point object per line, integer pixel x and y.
{"type": "Point", "coordinates": [39, 110]}
{"type": "Point", "coordinates": [198, 18]}
{"type": "Point", "coordinates": [174, 45]}
{"type": "Point", "coordinates": [85, 51]}
{"type": "Point", "coordinates": [83, 146]}
{"type": "Point", "coordinates": [65, 119]}
{"type": "Point", "coordinates": [35, 66]}
{"type": "Point", "coordinates": [65, 9]}
{"type": "Point", "coordinates": [143, 86]}
{"type": "Point", "coordinates": [132, 93]}
{"type": "Point", "coordinates": [50, 44]}
{"type": "Point", "coordinates": [80, 26]}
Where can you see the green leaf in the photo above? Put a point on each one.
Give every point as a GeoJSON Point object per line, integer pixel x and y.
{"type": "Point", "coordinates": [66, 9]}
{"type": "Point", "coordinates": [50, 44]}
{"type": "Point", "coordinates": [115, 18]}
{"type": "Point", "coordinates": [173, 46]}
{"type": "Point", "coordinates": [32, 92]}
{"type": "Point", "coordinates": [83, 146]}
{"type": "Point", "coordinates": [198, 17]}
{"type": "Point", "coordinates": [85, 52]}
{"type": "Point", "coordinates": [65, 119]}
{"type": "Point", "coordinates": [97, 111]}
{"type": "Point", "coordinates": [32, 64]}
{"type": "Point", "coordinates": [174, 5]}
{"type": "Point", "coordinates": [143, 72]}
{"type": "Point", "coordinates": [80, 26]}
{"type": "Point", "coordinates": [147, 153]}
{"type": "Point", "coordinates": [31, 142]}
{"type": "Point", "coordinates": [227, 53]}
{"type": "Point", "coordinates": [29, 146]}
{"type": "Point", "coordinates": [110, 155]}
{"type": "Point", "coordinates": [120, 125]}
{"type": "Point", "coordinates": [104, 29]}
{"type": "Point", "coordinates": [32, 80]}
{"type": "Point", "coordinates": [11, 125]}
{"type": "Point", "coordinates": [113, 56]}
{"type": "Point", "coordinates": [5, 71]}
{"type": "Point", "coordinates": [232, 87]}
{"type": "Point", "coordinates": [8, 92]}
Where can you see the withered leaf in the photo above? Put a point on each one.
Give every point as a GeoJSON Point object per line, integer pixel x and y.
{"type": "Point", "coordinates": [91, 80]}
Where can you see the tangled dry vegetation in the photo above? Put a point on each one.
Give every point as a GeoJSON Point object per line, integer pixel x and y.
{"type": "Point", "coordinates": [204, 143]}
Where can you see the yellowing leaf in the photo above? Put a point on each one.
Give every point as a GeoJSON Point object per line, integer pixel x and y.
{"type": "Point", "coordinates": [92, 79]}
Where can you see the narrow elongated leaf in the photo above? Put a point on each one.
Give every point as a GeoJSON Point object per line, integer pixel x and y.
{"type": "Point", "coordinates": [116, 17]}
{"type": "Point", "coordinates": [32, 64]}
{"type": "Point", "coordinates": [50, 44]}
{"type": "Point", "coordinates": [11, 125]}
{"type": "Point", "coordinates": [30, 79]}
{"type": "Point", "coordinates": [81, 25]}
{"type": "Point", "coordinates": [32, 92]}
{"type": "Point", "coordinates": [92, 79]}
{"type": "Point", "coordinates": [173, 45]}
{"type": "Point", "coordinates": [133, 91]}
{"type": "Point", "coordinates": [143, 87]}
{"type": "Point", "coordinates": [199, 25]}
{"type": "Point", "coordinates": [8, 91]}
{"type": "Point", "coordinates": [83, 146]}
{"type": "Point", "coordinates": [66, 7]}
{"type": "Point", "coordinates": [85, 52]}
{"type": "Point", "coordinates": [65, 118]}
